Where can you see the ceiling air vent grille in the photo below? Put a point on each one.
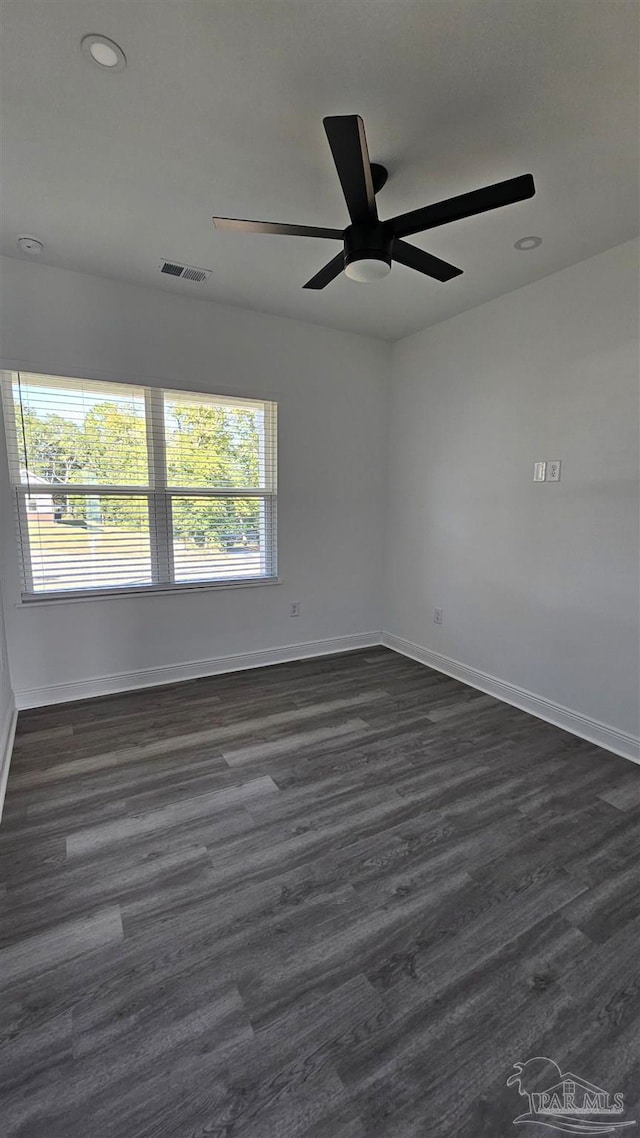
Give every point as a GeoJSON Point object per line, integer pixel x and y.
{"type": "Point", "coordinates": [185, 272]}
{"type": "Point", "coordinates": [198, 275]}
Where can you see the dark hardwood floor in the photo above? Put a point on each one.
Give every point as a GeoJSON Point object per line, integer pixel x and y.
{"type": "Point", "coordinates": [337, 898]}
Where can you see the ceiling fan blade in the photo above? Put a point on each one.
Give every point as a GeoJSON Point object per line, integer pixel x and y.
{"type": "Point", "coordinates": [465, 205]}
{"type": "Point", "coordinates": [349, 148]}
{"type": "Point", "coordinates": [328, 273]}
{"type": "Point", "coordinates": [237, 225]}
{"type": "Point", "coordinates": [424, 262]}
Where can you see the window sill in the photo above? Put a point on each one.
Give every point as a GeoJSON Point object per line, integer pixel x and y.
{"type": "Point", "coordinates": [71, 598]}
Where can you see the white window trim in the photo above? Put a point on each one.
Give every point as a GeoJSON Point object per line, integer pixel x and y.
{"type": "Point", "coordinates": [158, 495]}
{"type": "Point", "coordinates": [68, 596]}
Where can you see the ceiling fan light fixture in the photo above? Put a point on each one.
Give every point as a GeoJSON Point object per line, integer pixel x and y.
{"type": "Point", "coordinates": [365, 269]}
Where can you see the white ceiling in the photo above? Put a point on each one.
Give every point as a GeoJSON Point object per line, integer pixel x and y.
{"type": "Point", "coordinates": [220, 111]}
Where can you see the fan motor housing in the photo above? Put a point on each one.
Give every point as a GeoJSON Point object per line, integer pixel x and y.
{"type": "Point", "coordinates": [367, 243]}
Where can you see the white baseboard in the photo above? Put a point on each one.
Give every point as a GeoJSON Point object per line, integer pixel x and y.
{"type": "Point", "coordinates": [620, 742]}
{"type": "Point", "coordinates": [174, 673]}
{"type": "Point", "coordinates": [611, 738]}
{"type": "Point", "coordinates": [7, 735]}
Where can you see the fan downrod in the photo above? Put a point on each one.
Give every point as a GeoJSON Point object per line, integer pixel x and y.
{"type": "Point", "coordinates": [379, 175]}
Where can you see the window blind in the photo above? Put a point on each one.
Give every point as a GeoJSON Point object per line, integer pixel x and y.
{"type": "Point", "coordinates": [121, 487]}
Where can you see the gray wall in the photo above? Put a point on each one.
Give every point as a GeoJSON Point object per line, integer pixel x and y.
{"type": "Point", "coordinates": [538, 582]}
{"type": "Point", "coordinates": [332, 390]}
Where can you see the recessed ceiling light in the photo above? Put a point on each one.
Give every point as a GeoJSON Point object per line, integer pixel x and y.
{"type": "Point", "coordinates": [104, 52]}
{"type": "Point", "coordinates": [528, 243]}
{"type": "Point", "coordinates": [30, 245]}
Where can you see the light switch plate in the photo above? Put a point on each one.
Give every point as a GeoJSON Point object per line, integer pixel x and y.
{"type": "Point", "coordinates": [553, 470]}
{"type": "Point", "coordinates": [539, 471]}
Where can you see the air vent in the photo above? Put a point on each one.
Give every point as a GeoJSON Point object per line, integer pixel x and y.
{"type": "Point", "coordinates": [185, 272]}
{"type": "Point", "coordinates": [173, 270]}
{"type": "Point", "coordinates": [198, 275]}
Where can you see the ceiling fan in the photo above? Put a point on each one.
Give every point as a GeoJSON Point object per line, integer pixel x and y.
{"type": "Point", "coordinates": [370, 245]}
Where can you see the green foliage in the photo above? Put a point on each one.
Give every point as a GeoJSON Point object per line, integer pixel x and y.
{"type": "Point", "coordinates": [211, 446]}
{"type": "Point", "coordinates": [115, 445]}
{"type": "Point", "coordinates": [123, 513]}
{"type": "Point", "coordinates": [216, 524]}
{"type": "Point", "coordinates": [205, 446]}
{"type": "Point", "coordinates": [56, 446]}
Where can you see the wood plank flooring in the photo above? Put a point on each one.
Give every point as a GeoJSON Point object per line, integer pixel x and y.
{"type": "Point", "coordinates": [337, 898]}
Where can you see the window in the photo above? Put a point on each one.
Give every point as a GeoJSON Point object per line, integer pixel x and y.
{"type": "Point", "coordinates": [120, 487]}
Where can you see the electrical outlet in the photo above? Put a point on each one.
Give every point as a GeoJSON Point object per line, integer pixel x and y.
{"type": "Point", "coordinates": [294, 608]}
{"type": "Point", "coordinates": [539, 471]}
{"type": "Point", "coordinates": [437, 616]}
{"type": "Point", "coordinates": [553, 470]}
